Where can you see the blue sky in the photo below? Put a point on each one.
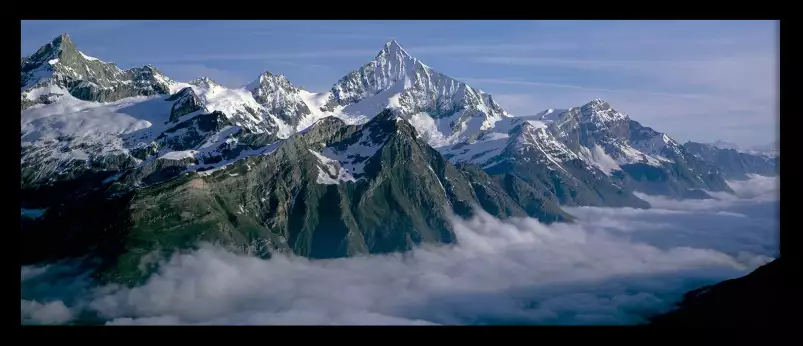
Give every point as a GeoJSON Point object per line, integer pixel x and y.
{"type": "Point", "coordinates": [695, 80]}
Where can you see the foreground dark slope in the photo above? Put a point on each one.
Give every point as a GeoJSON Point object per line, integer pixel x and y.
{"type": "Point", "coordinates": [281, 201]}
{"type": "Point", "coordinates": [753, 300]}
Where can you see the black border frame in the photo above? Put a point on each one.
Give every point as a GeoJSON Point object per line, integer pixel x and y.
{"type": "Point", "coordinates": [87, 10]}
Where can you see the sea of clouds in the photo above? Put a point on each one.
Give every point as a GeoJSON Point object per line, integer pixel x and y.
{"type": "Point", "coordinates": [614, 266]}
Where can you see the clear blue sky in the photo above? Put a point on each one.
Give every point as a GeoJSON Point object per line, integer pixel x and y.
{"type": "Point", "coordinates": [695, 80]}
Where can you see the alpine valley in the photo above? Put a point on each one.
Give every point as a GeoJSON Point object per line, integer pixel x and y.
{"type": "Point", "coordinates": [118, 165]}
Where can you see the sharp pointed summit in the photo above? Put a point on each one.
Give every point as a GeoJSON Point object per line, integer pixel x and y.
{"type": "Point", "coordinates": [392, 53]}
{"type": "Point", "coordinates": [393, 48]}
{"type": "Point", "coordinates": [61, 43]}
{"type": "Point", "coordinates": [267, 78]}
{"type": "Point", "coordinates": [394, 79]}
{"type": "Point", "coordinates": [64, 37]}
{"type": "Point", "coordinates": [60, 64]}
{"type": "Point", "coordinates": [596, 102]}
{"type": "Point", "coordinates": [57, 49]}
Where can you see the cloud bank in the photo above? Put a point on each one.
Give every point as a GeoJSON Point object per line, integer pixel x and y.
{"type": "Point", "coordinates": [615, 266]}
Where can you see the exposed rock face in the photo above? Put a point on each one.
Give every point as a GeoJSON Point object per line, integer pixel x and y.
{"type": "Point", "coordinates": [733, 163]}
{"type": "Point", "coordinates": [648, 161]}
{"type": "Point", "coordinates": [280, 98]}
{"type": "Point", "coordinates": [185, 102]}
{"type": "Point", "coordinates": [60, 64]}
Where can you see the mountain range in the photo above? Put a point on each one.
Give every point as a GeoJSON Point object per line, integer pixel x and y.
{"type": "Point", "coordinates": [123, 164]}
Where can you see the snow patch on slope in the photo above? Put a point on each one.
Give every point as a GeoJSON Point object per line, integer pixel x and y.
{"type": "Point", "coordinates": [553, 150]}
{"type": "Point", "coordinates": [314, 102]}
{"type": "Point", "coordinates": [477, 153]}
{"type": "Point", "coordinates": [34, 94]}
{"type": "Point", "coordinates": [73, 117]}
{"type": "Point", "coordinates": [633, 155]}
{"type": "Point", "coordinates": [655, 147]}
{"type": "Point", "coordinates": [599, 158]}
{"type": "Point", "coordinates": [429, 129]}
{"type": "Point", "coordinates": [330, 172]}
{"type": "Point", "coordinates": [87, 57]}
{"type": "Point", "coordinates": [375, 104]}
{"type": "Point", "coordinates": [208, 169]}
{"type": "Point", "coordinates": [354, 157]}
{"type": "Point", "coordinates": [179, 155]}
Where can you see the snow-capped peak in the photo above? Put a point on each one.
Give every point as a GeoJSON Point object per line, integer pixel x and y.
{"type": "Point", "coordinates": [596, 111]}
{"type": "Point", "coordinates": [442, 109]}
{"type": "Point", "coordinates": [393, 44]}
{"type": "Point", "coordinates": [204, 82]}
{"type": "Point", "coordinates": [270, 81]}
{"type": "Point", "coordinates": [280, 98]}
{"type": "Point", "coordinates": [394, 51]}
{"type": "Point", "coordinates": [602, 110]}
{"type": "Point", "coordinates": [391, 65]}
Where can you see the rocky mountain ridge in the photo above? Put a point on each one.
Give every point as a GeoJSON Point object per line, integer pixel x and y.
{"type": "Point", "coordinates": [378, 164]}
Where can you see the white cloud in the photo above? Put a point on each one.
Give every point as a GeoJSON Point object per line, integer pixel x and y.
{"type": "Point", "coordinates": [54, 312]}
{"type": "Point", "coordinates": [757, 188]}
{"type": "Point", "coordinates": [617, 267]}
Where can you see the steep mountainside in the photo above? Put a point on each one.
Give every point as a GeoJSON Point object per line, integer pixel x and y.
{"type": "Point", "coordinates": [332, 191]}
{"type": "Point", "coordinates": [59, 65]}
{"type": "Point", "coordinates": [642, 158]}
{"type": "Point", "coordinates": [529, 152]}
